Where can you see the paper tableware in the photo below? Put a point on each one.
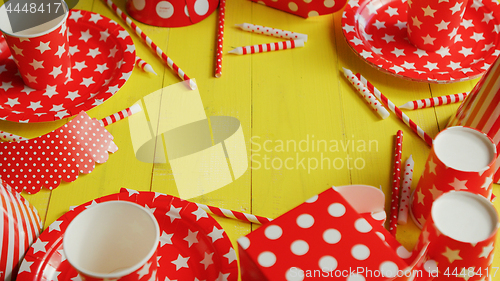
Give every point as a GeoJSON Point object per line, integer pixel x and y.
{"type": "Point", "coordinates": [122, 244]}
{"type": "Point", "coordinates": [305, 9]}
{"type": "Point", "coordinates": [41, 53]}
{"type": "Point", "coordinates": [460, 235]}
{"type": "Point", "coordinates": [4, 50]}
{"type": "Point", "coordinates": [59, 155]}
{"type": "Point", "coordinates": [481, 109]}
{"type": "Point", "coordinates": [461, 159]}
{"type": "Point", "coordinates": [102, 55]}
{"type": "Point", "coordinates": [192, 244]}
{"type": "Point", "coordinates": [376, 31]}
{"type": "Point", "coordinates": [20, 225]}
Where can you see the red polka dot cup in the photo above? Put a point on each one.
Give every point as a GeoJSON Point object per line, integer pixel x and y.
{"type": "Point", "coordinates": [460, 238]}
{"type": "Point", "coordinates": [434, 24]}
{"type": "Point", "coordinates": [41, 53]}
{"type": "Point", "coordinates": [115, 240]}
{"type": "Point", "coordinates": [461, 159]}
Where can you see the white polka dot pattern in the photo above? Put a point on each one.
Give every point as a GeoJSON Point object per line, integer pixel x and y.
{"type": "Point", "coordinates": [324, 234]}
{"type": "Point", "coordinates": [60, 155]}
{"type": "Point", "coordinates": [305, 8]}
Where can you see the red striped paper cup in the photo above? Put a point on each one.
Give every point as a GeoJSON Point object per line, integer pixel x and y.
{"type": "Point", "coordinates": [20, 226]}
{"type": "Point", "coordinates": [41, 53]}
{"type": "Point", "coordinates": [460, 238]}
{"type": "Point", "coordinates": [481, 109]}
{"type": "Point", "coordinates": [461, 159]}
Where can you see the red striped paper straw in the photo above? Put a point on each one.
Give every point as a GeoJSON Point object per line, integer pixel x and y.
{"type": "Point", "coordinates": [151, 44]}
{"type": "Point", "coordinates": [220, 38]}
{"type": "Point", "coordinates": [144, 65]}
{"type": "Point", "coordinates": [366, 94]}
{"type": "Point", "coordinates": [234, 214]}
{"type": "Point", "coordinates": [284, 45]}
{"type": "Point", "coordinates": [420, 132]}
{"type": "Point", "coordinates": [396, 179]}
{"type": "Point", "coordinates": [405, 191]}
{"type": "Point", "coordinates": [272, 31]}
{"type": "Point", "coordinates": [449, 99]}
{"type": "Point", "coordinates": [120, 115]}
{"type": "Point", "coordinates": [5, 136]}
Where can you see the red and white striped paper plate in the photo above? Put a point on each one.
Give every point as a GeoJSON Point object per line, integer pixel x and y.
{"type": "Point", "coordinates": [193, 246]}
{"type": "Point", "coordinates": [377, 31]}
{"type": "Point", "coordinates": [102, 59]}
{"type": "Point", "coordinates": [20, 225]}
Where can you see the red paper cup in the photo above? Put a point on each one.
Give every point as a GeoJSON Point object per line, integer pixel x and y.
{"type": "Point", "coordinates": [41, 53]}
{"type": "Point", "coordinates": [433, 24]}
{"type": "Point", "coordinates": [460, 234]}
{"type": "Point", "coordinates": [481, 109]}
{"type": "Point", "coordinates": [461, 159]}
{"type": "Point", "coordinates": [115, 240]}
{"type": "Point", "coordinates": [20, 226]}
{"type": "Point", "coordinates": [4, 49]}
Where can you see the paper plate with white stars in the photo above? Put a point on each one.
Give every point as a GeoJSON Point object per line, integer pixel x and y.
{"type": "Point", "coordinates": [102, 59]}
{"type": "Point", "coordinates": [377, 31]}
{"type": "Point", "coordinates": [193, 246]}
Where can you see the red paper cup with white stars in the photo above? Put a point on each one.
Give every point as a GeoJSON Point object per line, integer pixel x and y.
{"type": "Point", "coordinates": [460, 234]}
{"type": "Point", "coordinates": [434, 24]}
{"type": "Point", "coordinates": [461, 159]}
{"type": "Point", "coordinates": [41, 53]}
{"type": "Point", "coordinates": [114, 240]}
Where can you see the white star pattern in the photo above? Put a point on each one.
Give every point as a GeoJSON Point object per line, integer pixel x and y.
{"type": "Point", "coordinates": [94, 52]}
{"type": "Point", "coordinates": [222, 276]}
{"type": "Point", "coordinates": [17, 50]}
{"type": "Point", "coordinates": [30, 78]}
{"type": "Point", "coordinates": [72, 95]}
{"type": "Point", "coordinates": [36, 64]}
{"type": "Point", "coordinates": [477, 37]}
{"type": "Point", "coordinates": [428, 39]}
{"type": "Point", "coordinates": [365, 54]}
{"type": "Point", "coordinates": [466, 23]}
{"type": "Point", "coordinates": [77, 278]}
{"type": "Point", "coordinates": [207, 260]}
{"type": "Point", "coordinates": [408, 65]}
{"type": "Point", "coordinates": [62, 114]}
{"type": "Point", "coordinates": [34, 106]}
{"type": "Point", "coordinates": [6, 85]}
{"type": "Point", "coordinates": [173, 213]}
{"type": "Point", "coordinates": [458, 184]}
{"type": "Point", "coordinates": [191, 238]}
{"type": "Point", "coordinates": [144, 270]}
{"type": "Point", "coordinates": [397, 69]}
{"type": "Point", "coordinates": [101, 68]}
{"type": "Point", "coordinates": [443, 25]}
{"type": "Point", "coordinates": [73, 50]}
{"type": "Point", "coordinates": [112, 52]}
{"type": "Point", "coordinates": [56, 71]}
{"type": "Point", "coordinates": [50, 91]}
{"type": "Point", "coordinates": [392, 11]}
{"type": "Point", "coordinates": [487, 251]}
{"type": "Point", "coordinates": [454, 65]}
{"type": "Point", "coordinates": [12, 102]}
{"type": "Point", "coordinates": [180, 262]}
{"type": "Point", "coordinates": [87, 81]}
{"type": "Point", "coordinates": [76, 15]}
{"type": "Point", "coordinates": [456, 8]}
{"type": "Point", "coordinates": [43, 47]}
{"type": "Point", "coordinates": [216, 234]}
{"type": "Point", "coordinates": [428, 11]}
{"type": "Point", "coordinates": [122, 34]}
{"type": "Point", "coordinates": [431, 66]}
{"type": "Point", "coordinates": [231, 255]}
{"type": "Point", "coordinates": [466, 51]}
{"type": "Point", "coordinates": [488, 17]}
{"type": "Point", "coordinates": [398, 52]}
{"type": "Point", "coordinates": [388, 38]}
{"type": "Point", "coordinates": [25, 266]}
{"type": "Point", "coordinates": [39, 246]}
{"type": "Point", "coordinates": [200, 213]}
{"type": "Point", "coordinates": [130, 48]}
{"type": "Point", "coordinates": [443, 52]}
{"type": "Point", "coordinates": [487, 182]}
{"type": "Point", "coordinates": [165, 238]}
{"type": "Point", "coordinates": [95, 18]}
{"type": "Point", "coordinates": [79, 65]}
{"type": "Point", "coordinates": [420, 53]}
{"type": "Point", "coordinates": [416, 22]}
{"type": "Point", "coordinates": [85, 36]}
{"type": "Point", "coordinates": [104, 35]}
{"type": "Point", "coordinates": [27, 90]}
{"type": "Point", "coordinates": [60, 50]}
{"type": "Point", "coordinates": [57, 108]}
{"type": "Point", "coordinates": [378, 24]}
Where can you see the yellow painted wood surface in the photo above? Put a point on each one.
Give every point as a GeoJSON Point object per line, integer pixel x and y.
{"type": "Point", "coordinates": [293, 97]}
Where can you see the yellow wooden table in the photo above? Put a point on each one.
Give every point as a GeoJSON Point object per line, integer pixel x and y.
{"type": "Point", "coordinates": [298, 95]}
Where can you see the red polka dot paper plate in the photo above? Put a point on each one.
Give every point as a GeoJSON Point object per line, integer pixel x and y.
{"type": "Point", "coordinates": [102, 59]}
{"type": "Point", "coordinates": [376, 31]}
{"type": "Point", "coordinates": [193, 246]}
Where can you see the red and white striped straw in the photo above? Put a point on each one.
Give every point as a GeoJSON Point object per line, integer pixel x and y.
{"type": "Point", "coordinates": [120, 115]}
{"type": "Point", "coordinates": [449, 99]}
{"type": "Point", "coordinates": [144, 65]}
{"type": "Point", "coordinates": [396, 179]}
{"type": "Point", "coordinates": [272, 31]}
{"type": "Point", "coordinates": [405, 191]}
{"type": "Point", "coordinates": [5, 136]}
{"type": "Point", "coordinates": [403, 117]}
{"type": "Point", "coordinates": [268, 47]}
{"type": "Point", "coordinates": [151, 44]}
{"type": "Point", "coordinates": [366, 94]}
{"type": "Point", "coordinates": [234, 214]}
{"type": "Point", "coordinates": [220, 38]}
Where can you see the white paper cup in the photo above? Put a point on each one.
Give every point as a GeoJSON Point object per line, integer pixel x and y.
{"type": "Point", "coordinates": [113, 240]}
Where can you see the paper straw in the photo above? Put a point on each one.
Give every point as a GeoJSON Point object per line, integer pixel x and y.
{"type": "Point", "coordinates": [144, 65]}
{"type": "Point", "coordinates": [423, 135]}
{"type": "Point", "coordinates": [234, 214]}
{"type": "Point", "coordinates": [5, 136]}
{"type": "Point", "coordinates": [220, 38]}
{"type": "Point", "coordinates": [151, 44]}
{"type": "Point", "coordinates": [405, 191]}
{"type": "Point", "coordinates": [449, 99]}
{"type": "Point", "coordinates": [272, 31]}
{"type": "Point", "coordinates": [268, 47]}
{"type": "Point", "coordinates": [120, 115]}
{"type": "Point", "coordinates": [396, 178]}
{"type": "Point", "coordinates": [366, 94]}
